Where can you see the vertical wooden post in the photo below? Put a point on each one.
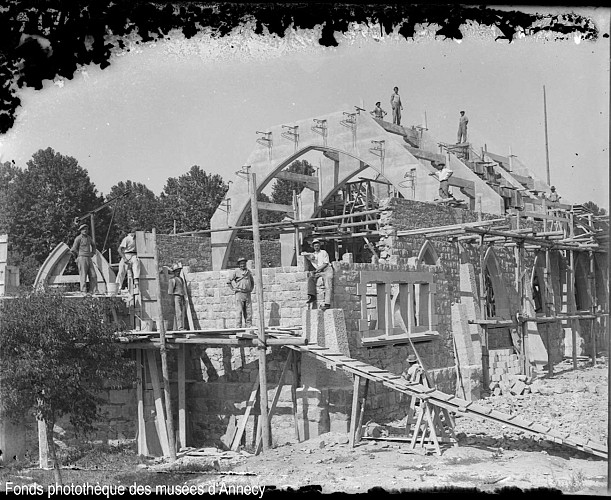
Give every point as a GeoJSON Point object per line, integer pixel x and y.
{"type": "Point", "coordinates": [355, 408]}
{"type": "Point", "coordinates": [262, 347]}
{"type": "Point", "coordinates": [549, 292]}
{"type": "Point", "coordinates": [518, 252]}
{"type": "Point", "coordinates": [160, 421]}
{"type": "Point", "coordinates": [593, 302]}
{"type": "Point", "coordinates": [297, 243]}
{"type": "Point", "coordinates": [140, 370]}
{"type": "Point", "coordinates": [43, 448]}
{"type": "Point", "coordinates": [295, 381]}
{"type": "Point", "coordinates": [182, 406]}
{"type": "Point", "coordinates": [571, 304]}
{"type": "Point", "coordinates": [482, 306]}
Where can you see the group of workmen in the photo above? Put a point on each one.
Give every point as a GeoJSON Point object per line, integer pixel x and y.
{"type": "Point", "coordinates": [397, 106]}
{"type": "Point", "coordinates": [241, 280]}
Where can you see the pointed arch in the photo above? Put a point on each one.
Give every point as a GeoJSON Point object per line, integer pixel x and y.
{"type": "Point", "coordinates": [427, 254]}
{"type": "Point", "coordinates": [497, 301]}
{"type": "Point", "coordinates": [51, 273]}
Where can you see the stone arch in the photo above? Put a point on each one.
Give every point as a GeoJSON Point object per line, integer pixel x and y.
{"type": "Point", "coordinates": [497, 300]}
{"type": "Point", "coordinates": [427, 254]}
{"type": "Point", "coordinates": [51, 273]}
{"type": "Point", "coordinates": [310, 205]}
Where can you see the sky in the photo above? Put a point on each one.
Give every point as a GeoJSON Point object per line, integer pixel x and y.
{"type": "Point", "coordinates": [162, 107]}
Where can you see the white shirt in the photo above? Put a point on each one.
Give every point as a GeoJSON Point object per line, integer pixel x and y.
{"type": "Point", "coordinates": [128, 244]}
{"type": "Point", "coordinates": [445, 174]}
{"type": "Point", "coordinates": [320, 258]}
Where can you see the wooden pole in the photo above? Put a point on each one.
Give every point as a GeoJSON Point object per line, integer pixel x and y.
{"type": "Point", "coordinates": [482, 305]}
{"type": "Point", "coordinates": [166, 388]}
{"type": "Point", "coordinates": [546, 141]}
{"type": "Point", "coordinates": [549, 292]}
{"type": "Point", "coordinates": [92, 223]}
{"type": "Point", "coordinates": [571, 302]}
{"type": "Point", "coordinates": [182, 402]}
{"type": "Point", "coordinates": [262, 347]}
{"type": "Point", "coordinates": [592, 290]}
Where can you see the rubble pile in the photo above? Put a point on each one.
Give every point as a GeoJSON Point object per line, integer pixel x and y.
{"type": "Point", "coordinates": [505, 377]}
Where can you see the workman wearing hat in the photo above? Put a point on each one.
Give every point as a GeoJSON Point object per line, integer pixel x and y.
{"type": "Point", "coordinates": [83, 249]}
{"type": "Point", "coordinates": [177, 287]}
{"type": "Point", "coordinates": [378, 112]}
{"type": "Point", "coordinates": [242, 283]}
{"type": "Point", "coordinates": [129, 258]}
{"type": "Point", "coordinates": [415, 372]}
{"type": "Point", "coordinates": [553, 196]}
{"type": "Point", "coordinates": [320, 260]}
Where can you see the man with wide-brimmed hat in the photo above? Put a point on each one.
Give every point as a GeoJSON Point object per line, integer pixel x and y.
{"type": "Point", "coordinates": [242, 283]}
{"type": "Point", "coordinates": [83, 249]}
{"type": "Point", "coordinates": [129, 258]}
{"type": "Point", "coordinates": [414, 372]}
{"type": "Point", "coordinates": [178, 288]}
{"type": "Point", "coordinates": [322, 269]}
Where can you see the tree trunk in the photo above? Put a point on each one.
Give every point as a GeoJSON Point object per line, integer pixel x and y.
{"type": "Point", "coordinates": [51, 444]}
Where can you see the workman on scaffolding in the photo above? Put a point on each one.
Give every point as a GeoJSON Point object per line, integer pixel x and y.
{"type": "Point", "coordinates": [378, 112]}
{"type": "Point", "coordinates": [129, 259]}
{"type": "Point", "coordinates": [415, 373]}
{"type": "Point", "coordinates": [178, 289]}
{"type": "Point", "coordinates": [553, 196]}
{"type": "Point", "coordinates": [83, 249]}
{"type": "Point", "coordinates": [322, 269]}
{"type": "Point", "coordinates": [242, 283]}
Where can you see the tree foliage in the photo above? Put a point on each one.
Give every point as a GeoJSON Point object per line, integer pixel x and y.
{"type": "Point", "coordinates": [8, 175]}
{"type": "Point", "coordinates": [56, 354]}
{"type": "Point", "coordinates": [44, 201]}
{"type": "Point", "coordinates": [191, 200]}
{"type": "Point", "coordinates": [282, 192]}
{"type": "Point", "coordinates": [141, 207]}
{"type": "Point", "coordinates": [596, 210]}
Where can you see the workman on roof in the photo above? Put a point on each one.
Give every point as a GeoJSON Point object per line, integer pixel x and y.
{"type": "Point", "coordinates": [129, 258]}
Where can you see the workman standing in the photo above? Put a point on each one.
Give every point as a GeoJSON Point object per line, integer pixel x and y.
{"type": "Point", "coordinates": [320, 260]}
{"type": "Point", "coordinates": [444, 185]}
{"type": "Point", "coordinates": [553, 196]}
{"type": "Point", "coordinates": [242, 283]}
{"type": "Point", "coordinates": [83, 250]}
{"type": "Point", "coordinates": [129, 258]}
{"type": "Point", "coordinates": [462, 128]}
{"type": "Point", "coordinates": [178, 288]}
{"type": "Point", "coordinates": [378, 112]}
{"type": "Point", "coordinates": [395, 104]}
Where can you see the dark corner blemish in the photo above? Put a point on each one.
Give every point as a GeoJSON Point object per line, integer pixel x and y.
{"type": "Point", "coordinates": [43, 41]}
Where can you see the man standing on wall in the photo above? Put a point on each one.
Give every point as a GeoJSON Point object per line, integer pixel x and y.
{"type": "Point", "coordinates": [129, 259]}
{"type": "Point", "coordinates": [444, 184]}
{"type": "Point", "coordinates": [83, 250]}
{"type": "Point", "coordinates": [242, 283]}
{"type": "Point", "coordinates": [177, 288]}
{"type": "Point", "coordinates": [395, 104]}
{"type": "Point", "coordinates": [320, 260]}
{"type": "Point", "coordinates": [553, 196]}
{"type": "Point", "coordinates": [462, 128]}
{"type": "Point", "coordinates": [378, 112]}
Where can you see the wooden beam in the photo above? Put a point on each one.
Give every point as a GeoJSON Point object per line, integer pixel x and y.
{"type": "Point", "coordinates": [310, 181]}
{"type": "Point", "coordinates": [142, 444]}
{"type": "Point", "coordinates": [249, 406]}
{"type": "Point", "coordinates": [436, 229]}
{"type": "Point", "coordinates": [355, 407]}
{"type": "Point", "coordinates": [421, 154]}
{"type": "Point", "coordinates": [276, 207]}
{"type": "Point", "coordinates": [159, 410]}
{"type": "Point", "coordinates": [182, 402]}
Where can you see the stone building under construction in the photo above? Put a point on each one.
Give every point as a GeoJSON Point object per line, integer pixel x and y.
{"type": "Point", "coordinates": [490, 288]}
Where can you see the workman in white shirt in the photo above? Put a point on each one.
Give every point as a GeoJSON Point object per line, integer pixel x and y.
{"type": "Point", "coordinates": [129, 258]}
{"type": "Point", "coordinates": [444, 185]}
{"type": "Point", "coordinates": [320, 260]}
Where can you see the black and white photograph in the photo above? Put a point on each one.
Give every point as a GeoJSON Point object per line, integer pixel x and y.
{"type": "Point", "coordinates": [303, 247]}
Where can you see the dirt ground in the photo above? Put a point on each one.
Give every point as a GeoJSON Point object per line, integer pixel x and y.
{"type": "Point", "coordinates": [490, 457]}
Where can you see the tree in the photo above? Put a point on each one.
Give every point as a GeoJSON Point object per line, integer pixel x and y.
{"type": "Point", "coordinates": [46, 198]}
{"type": "Point", "coordinates": [141, 207]}
{"type": "Point", "coordinates": [594, 208]}
{"type": "Point", "coordinates": [8, 174]}
{"type": "Point", "coordinates": [191, 200]}
{"type": "Point", "coordinates": [282, 192]}
{"type": "Point", "coordinates": [56, 354]}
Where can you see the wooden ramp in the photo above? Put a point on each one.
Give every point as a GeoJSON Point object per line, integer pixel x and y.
{"type": "Point", "coordinates": [445, 401]}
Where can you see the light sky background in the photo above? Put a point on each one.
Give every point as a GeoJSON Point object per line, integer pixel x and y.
{"type": "Point", "coordinates": [162, 107]}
